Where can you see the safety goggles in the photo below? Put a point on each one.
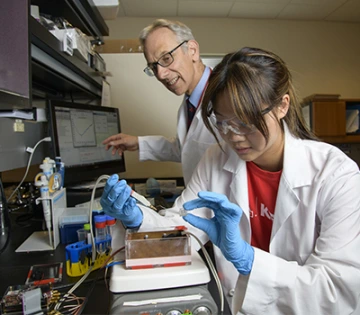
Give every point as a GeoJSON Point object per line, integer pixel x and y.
{"type": "Point", "coordinates": [234, 124]}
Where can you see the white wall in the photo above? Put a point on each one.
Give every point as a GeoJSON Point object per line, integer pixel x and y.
{"type": "Point", "coordinates": [324, 57]}
{"type": "Point", "coordinates": [146, 108]}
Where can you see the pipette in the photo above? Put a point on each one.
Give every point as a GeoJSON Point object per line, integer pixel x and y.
{"type": "Point", "coordinates": [142, 200]}
{"type": "Point", "coordinates": [43, 184]}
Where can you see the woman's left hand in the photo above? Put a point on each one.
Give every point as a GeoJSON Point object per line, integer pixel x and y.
{"type": "Point", "coordinates": [223, 229]}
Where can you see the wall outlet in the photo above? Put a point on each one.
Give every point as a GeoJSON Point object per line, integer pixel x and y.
{"type": "Point", "coordinates": [19, 126]}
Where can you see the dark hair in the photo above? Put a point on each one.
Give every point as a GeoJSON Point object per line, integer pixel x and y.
{"type": "Point", "coordinates": [253, 78]}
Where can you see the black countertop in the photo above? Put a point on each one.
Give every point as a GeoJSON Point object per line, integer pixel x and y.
{"type": "Point", "coordinates": [14, 268]}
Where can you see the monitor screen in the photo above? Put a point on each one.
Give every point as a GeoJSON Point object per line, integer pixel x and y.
{"type": "Point", "coordinates": [77, 132]}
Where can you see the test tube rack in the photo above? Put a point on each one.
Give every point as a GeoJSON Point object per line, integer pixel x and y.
{"type": "Point", "coordinates": [79, 256]}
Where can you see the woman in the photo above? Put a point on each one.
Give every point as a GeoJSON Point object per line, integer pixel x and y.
{"type": "Point", "coordinates": [281, 208]}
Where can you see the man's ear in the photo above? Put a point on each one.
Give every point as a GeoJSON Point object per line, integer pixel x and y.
{"type": "Point", "coordinates": [284, 106]}
{"type": "Point", "coordinates": [193, 49]}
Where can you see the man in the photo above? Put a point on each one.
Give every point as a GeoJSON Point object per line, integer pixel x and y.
{"type": "Point", "coordinates": [173, 57]}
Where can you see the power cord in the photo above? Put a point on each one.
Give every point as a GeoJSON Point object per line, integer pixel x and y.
{"type": "Point", "coordinates": [93, 258]}
{"type": "Point", "coordinates": [212, 269]}
{"type": "Point", "coordinates": [31, 151]}
{"type": "Point", "coordinates": [4, 218]}
{"type": "Point", "coordinates": [102, 177]}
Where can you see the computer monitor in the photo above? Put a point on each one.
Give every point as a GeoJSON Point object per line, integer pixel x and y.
{"type": "Point", "coordinates": [77, 131]}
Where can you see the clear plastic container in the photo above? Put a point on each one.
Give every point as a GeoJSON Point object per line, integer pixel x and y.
{"type": "Point", "coordinates": [100, 232]}
{"type": "Point", "coordinates": [74, 216]}
{"type": "Point", "coordinates": [110, 225]}
{"type": "Point", "coordinates": [100, 227]}
{"type": "Point", "coordinates": [157, 248]}
{"type": "Point", "coordinates": [82, 235]}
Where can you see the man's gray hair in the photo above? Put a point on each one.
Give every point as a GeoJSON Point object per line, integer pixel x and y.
{"type": "Point", "coordinates": [181, 31]}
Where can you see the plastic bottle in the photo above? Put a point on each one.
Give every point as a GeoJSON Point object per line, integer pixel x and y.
{"type": "Point", "coordinates": [100, 232]}
{"type": "Point", "coordinates": [47, 166]}
{"type": "Point", "coordinates": [60, 167]}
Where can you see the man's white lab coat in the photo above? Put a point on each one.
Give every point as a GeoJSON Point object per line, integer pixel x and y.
{"type": "Point", "coordinates": [314, 262]}
{"type": "Point", "coordinates": [188, 147]}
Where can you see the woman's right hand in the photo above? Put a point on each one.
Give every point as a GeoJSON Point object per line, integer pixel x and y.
{"type": "Point", "coordinates": [116, 201]}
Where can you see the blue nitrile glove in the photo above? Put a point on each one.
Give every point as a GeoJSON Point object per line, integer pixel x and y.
{"type": "Point", "coordinates": [223, 229]}
{"type": "Point", "coordinates": [116, 202]}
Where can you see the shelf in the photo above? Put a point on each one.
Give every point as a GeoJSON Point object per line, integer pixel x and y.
{"type": "Point", "coordinates": [342, 139]}
{"type": "Point", "coordinates": [54, 71]}
{"type": "Point", "coordinates": [82, 14]}
{"type": "Point", "coordinates": [34, 57]}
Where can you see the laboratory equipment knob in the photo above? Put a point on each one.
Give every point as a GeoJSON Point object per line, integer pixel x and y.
{"type": "Point", "coordinates": [174, 312]}
{"type": "Point", "coordinates": [201, 310]}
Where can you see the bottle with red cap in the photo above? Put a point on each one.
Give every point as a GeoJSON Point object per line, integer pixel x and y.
{"type": "Point", "coordinates": [100, 232]}
{"type": "Point", "coordinates": [110, 224]}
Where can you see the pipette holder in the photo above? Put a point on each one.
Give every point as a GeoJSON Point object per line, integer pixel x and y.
{"type": "Point", "coordinates": [39, 240]}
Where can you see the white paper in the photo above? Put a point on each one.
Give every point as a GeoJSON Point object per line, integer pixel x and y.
{"type": "Point", "coordinates": [106, 94]}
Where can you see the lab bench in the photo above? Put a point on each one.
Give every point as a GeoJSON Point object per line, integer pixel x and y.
{"type": "Point", "coordinates": [15, 266]}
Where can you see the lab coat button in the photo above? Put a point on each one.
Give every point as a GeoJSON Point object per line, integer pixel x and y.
{"type": "Point", "coordinates": [231, 292]}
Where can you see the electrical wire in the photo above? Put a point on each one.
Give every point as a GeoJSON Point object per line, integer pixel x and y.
{"type": "Point", "coordinates": [74, 287]}
{"type": "Point", "coordinates": [109, 262]}
{"type": "Point", "coordinates": [212, 269]}
{"type": "Point", "coordinates": [70, 307]}
{"type": "Point", "coordinates": [102, 177]}
{"type": "Point", "coordinates": [6, 217]}
{"type": "Point", "coordinates": [79, 311]}
{"type": "Point", "coordinates": [82, 279]}
{"type": "Point", "coordinates": [48, 139]}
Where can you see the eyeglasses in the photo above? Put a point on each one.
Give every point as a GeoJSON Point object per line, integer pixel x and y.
{"type": "Point", "coordinates": [234, 124]}
{"type": "Point", "coordinates": [165, 60]}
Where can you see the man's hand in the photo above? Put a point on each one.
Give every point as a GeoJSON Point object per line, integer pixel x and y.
{"type": "Point", "coordinates": [223, 229]}
{"type": "Point", "coordinates": [121, 143]}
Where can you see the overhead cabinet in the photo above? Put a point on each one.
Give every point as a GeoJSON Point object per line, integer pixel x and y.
{"type": "Point", "coordinates": [333, 119]}
{"type": "Point", "coordinates": [48, 70]}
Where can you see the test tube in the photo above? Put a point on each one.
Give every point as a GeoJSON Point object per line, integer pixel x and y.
{"type": "Point", "coordinates": [110, 224]}
{"type": "Point", "coordinates": [100, 232]}
{"type": "Point", "coordinates": [82, 235]}
{"type": "Point", "coordinates": [87, 229]}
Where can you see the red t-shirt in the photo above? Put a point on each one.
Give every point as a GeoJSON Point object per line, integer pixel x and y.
{"type": "Point", "coordinates": [263, 187]}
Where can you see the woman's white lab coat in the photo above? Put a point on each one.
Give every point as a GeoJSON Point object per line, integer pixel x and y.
{"type": "Point", "coordinates": [188, 147]}
{"type": "Point", "coordinates": [314, 262]}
